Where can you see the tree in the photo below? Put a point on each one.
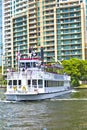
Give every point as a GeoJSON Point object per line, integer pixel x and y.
{"type": "Point", "coordinates": [77, 69]}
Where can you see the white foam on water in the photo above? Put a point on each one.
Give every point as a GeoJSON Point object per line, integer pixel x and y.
{"type": "Point", "coordinates": [74, 91]}
{"type": "Point", "coordinates": [70, 99]}
{"type": "Point", "coordinates": [5, 101]}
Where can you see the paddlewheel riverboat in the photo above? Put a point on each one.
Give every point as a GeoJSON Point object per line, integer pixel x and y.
{"type": "Point", "coordinates": [36, 81]}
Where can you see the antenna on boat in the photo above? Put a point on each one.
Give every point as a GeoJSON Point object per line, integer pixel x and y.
{"type": "Point", "coordinates": [18, 56]}
{"type": "Point", "coordinates": [42, 55]}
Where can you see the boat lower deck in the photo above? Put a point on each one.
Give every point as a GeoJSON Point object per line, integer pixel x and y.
{"type": "Point", "coordinates": [34, 96]}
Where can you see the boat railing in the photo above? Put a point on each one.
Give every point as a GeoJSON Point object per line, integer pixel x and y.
{"type": "Point", "coordinates": [66, 77]}
{"type": "Point", "coordinates": [29, 86]}
{"type": "Point", "coordinates": [34, 86]}
{"type": "Point", "coordinates": [10, 75]}
{"type": "Point", "coordinates": [36, 74]}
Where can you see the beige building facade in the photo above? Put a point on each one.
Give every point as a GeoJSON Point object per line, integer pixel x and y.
{"type": "Point", "coordinates": [57, 25]}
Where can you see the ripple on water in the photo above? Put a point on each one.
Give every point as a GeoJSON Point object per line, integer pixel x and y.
{"type": "Point", "coordinates": [56, 114]}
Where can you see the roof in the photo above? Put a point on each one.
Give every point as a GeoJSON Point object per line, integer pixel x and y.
{"type": "Point", "coordinates": [30, 59]}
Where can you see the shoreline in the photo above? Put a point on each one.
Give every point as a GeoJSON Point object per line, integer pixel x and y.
{"type": "Point", "coordinates": [2, 86]}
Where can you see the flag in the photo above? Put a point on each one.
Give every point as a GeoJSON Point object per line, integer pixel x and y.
{"type": "Point", "coordinates": [33, 54]}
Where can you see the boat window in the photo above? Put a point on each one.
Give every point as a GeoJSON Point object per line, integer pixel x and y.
{"type": "Point", "coordinates": [46, 83]}
{"type": "Point", "coordinates": [10, 82]}
{"type": "Point", "coordinates": [19, 82]}
{"type": "Point", "coordinates": [40, 82]}
{"type": "Point", "coordinates": [53, 83]}
{"type": "Point", "coordinates": [28, 65]}
{"type": "Point", "coordinates": [22, 65]}
{"type": "Point", "coordinates": [34, 64]}
{"type": "Point", "coordinates": [49, 83]}
{"type": "Point", "coordinates": [29, 82]}
{"type": "Point", "coordinates": [14, 82]}
{"type": "Point", "coordinates": [34, 82]}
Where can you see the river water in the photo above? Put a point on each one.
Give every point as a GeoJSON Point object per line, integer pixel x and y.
{"type": "Point", "coordinates": [65, 113]}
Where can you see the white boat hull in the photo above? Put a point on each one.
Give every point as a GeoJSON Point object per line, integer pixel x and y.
{"type": "Point", "coordinates": [33, 97]}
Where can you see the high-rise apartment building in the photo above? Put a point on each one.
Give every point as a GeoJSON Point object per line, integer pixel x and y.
{"type": "Point", "coordinates": [0, 32]}
{"type": "Point", "coordinates": [57, 25]}
{"type": "Point", "coordinates": [15, 31]}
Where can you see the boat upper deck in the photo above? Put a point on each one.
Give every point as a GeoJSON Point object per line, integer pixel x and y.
{"type": "Point", "coordinates": [31, 68]}
{"type": "Point", "coordinates": [37, 74]}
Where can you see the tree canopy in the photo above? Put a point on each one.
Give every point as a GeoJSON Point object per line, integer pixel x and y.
{"type": "Point", "coordinates": [77, 69]}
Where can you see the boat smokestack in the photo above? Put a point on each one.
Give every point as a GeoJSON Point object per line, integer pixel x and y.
{"type": "Point", "coordinates": [42, 55]}
{"type": "Point", "coordinates": [30, 50]}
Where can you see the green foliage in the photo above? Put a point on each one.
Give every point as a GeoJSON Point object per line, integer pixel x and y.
{"type": "Point", "coordinates": [77, 69]}
{"type": "Point", "coordinates": [50, 68]}
{"type": "Point", "coordinates": [74, 82]}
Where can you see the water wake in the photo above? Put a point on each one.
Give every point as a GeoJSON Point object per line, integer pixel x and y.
{"type": "Point", "coordinates": [5, 101]}
{"type": "Point", "coordinates": [70, 99]}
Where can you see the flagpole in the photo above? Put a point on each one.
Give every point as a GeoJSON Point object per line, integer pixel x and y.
{"type": "Point", "coordinates": [18, 56]}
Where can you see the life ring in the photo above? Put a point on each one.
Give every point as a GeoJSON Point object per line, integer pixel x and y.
{"type": "Point", "coordinates": [15, 88]}
{"type": "Point", "coordinates": [24, 88]}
